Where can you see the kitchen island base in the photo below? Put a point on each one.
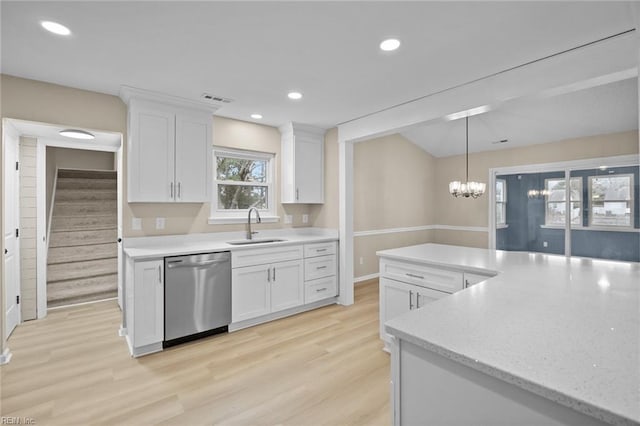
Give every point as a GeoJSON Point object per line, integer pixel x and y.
{"type": "Point", "coordinates": [428, 388]}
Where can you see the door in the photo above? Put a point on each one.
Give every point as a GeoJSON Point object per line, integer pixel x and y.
{"type": "Point", "coordinates": [250, 292]}
{"type": "Point", "coordinates": [193, 157]}
{"type": "Point", "coordinates": [396, 299]}
{"type": "Point", "coordinates": [426, 295]}
{"type": "Point", "coordinates": [287, 285]}
{"type": "Point", "coordinates": [11, 225]}
{"type": "Point", "coordinates": [152, 157]}
{"type": "Point", "coordinates": [148, 299]}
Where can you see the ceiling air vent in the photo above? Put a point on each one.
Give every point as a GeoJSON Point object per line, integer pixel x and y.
{"type": "Point", "coordinates": [217, 99]}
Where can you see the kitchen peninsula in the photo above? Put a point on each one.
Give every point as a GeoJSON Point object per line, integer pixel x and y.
{"type": "Point", "coordinates": [547, 340]}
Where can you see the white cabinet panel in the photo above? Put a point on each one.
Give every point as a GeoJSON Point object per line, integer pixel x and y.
{"type": "Point", "coordinates": [286, 285]}
{"type": "Point", "coordinates": [151, 154]}
{"type": "Point", "coordinates": [320, 249]}
{"type": "Point", "coordinates": [148, 300]}
{"type": "Point", "coordinates": [193, 157]}
{"type": "Point", "coordinates": [302, 164]}
{"type": "Point", "coordinates": [422, 275]}
{"type": "Point", "coordinates": [250, 292]}
{"type": "Point", "coordinates": [259, 256]}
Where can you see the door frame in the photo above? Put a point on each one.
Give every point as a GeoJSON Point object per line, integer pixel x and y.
{"type": "Point", "coordinates": [42, 132]}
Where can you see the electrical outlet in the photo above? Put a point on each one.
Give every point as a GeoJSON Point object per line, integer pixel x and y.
{"type": "Point", "coordinates": [159, 222]}
{"type": "Point", "coordinates": [288, 218]}
{"type": "Point", "coordinates": [136, 224]}
{"type": "Point", "coordinates": [305, 218]}
{"type": "Point", "coordinates": [361, 260]}
{"type": "Point", "coordinates": [545, 244]}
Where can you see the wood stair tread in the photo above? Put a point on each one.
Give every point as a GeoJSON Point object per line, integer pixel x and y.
{"type": "Point", "coordinates": [82, 290]}
{"type": "Point", "coordinates": [87, 174]}
{"type": "Point", "coordinates": [81, 269]}
{"type": "Point", "coordinates": [88, 252]}
{"type": "Point", "coordinates": [82, 237]}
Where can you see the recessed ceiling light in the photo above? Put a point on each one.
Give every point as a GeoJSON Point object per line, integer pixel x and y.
{"type": "Point", "coordinates": [77, 134]}
{"type": "Point", "coordinates": [256, 116]}
{"type": "Point", "coordinates": [390, 44]}
{"type": "Point", "coordinates": [56, 28]}
{"type": "Point", "coordinates": [294, 95]}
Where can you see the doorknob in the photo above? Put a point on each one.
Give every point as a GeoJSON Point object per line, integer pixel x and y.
{"type": "Point", "coordinates": [6, 251]}
{"type": "Point", "coordinates": [119, 240]}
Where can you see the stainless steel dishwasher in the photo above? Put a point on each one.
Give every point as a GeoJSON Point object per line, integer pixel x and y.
{"type": "Point", "coordinates": [197, 296]}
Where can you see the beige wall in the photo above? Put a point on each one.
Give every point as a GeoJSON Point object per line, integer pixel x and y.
{"type": "Point", "coordinates": [469, 212]}
{"type": "Point", "coordinates": [326, 215]}
{"type": "Point", "coordinates": [67, 158]}
{"type": "Point", "coordinates": [394, 182]}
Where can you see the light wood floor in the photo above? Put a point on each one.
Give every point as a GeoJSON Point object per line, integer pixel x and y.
{"type": "Point", "coordinates": [324, 367]}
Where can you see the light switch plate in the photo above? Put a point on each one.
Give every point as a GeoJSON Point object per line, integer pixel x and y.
{"type": "Point", "coordinates": [288, 218]}
{"type": "Point", "coordinates": [136, 224]}
{"type": "Point", "coordinates": [305, 218]}
{"type": "Point", "coordinates": [159, 222]}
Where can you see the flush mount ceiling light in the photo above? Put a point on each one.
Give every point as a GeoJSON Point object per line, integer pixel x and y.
{"type": "Point", "coordinates": [467, 189]}
{"type": "Point", "coordinates": [390, 44]}
{"type": "Point", "coordinates": [294, 95]}
{"type": "Point", "coordinates": [256, 116]}
{"type": "Point", "coordinates": [77, 134]}
{"type": "Point", "coordinates": [56, 28]}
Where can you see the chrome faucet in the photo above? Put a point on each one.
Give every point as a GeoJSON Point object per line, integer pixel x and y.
{"type": "Point", "coordinates": [258, 220]}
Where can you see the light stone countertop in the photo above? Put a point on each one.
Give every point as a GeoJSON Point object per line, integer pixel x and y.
{"type": "Point", "coordinates": [177, 245]}
{"type": "Point", "coordinates": [567, 329]}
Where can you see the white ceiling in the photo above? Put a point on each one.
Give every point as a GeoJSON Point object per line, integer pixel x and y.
{"type": "Point", "coordinates": [254, 52]}
{"type": "Point", "coordinates": [598, 110]}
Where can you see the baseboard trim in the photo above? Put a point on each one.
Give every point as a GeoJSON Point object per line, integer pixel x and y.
{"type": "Point", "coordinates": [122, 332]}
{"type": "Point", "coordinates": [5, 357]}
{"type": "Point", "coordinates": [364, 278]}
{"type": "Point", "coordinates": [421, 228]}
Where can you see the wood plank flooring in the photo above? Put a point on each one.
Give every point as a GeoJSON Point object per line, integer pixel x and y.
{"type": "Point", "coordinates": [324, 367]}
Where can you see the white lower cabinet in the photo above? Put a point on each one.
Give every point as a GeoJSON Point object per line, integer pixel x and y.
{"type": "Point", "coordinates": [397, 297]}
{"type": "Point", "coordinates": [286, 285]}
{"type": "Point", "coordinates": [144, 306]}
{"type": "Point", "coordinates": [250, 292]}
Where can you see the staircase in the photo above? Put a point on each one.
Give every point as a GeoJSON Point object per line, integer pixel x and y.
{"type": "Point", "coordinates": [82, 258]}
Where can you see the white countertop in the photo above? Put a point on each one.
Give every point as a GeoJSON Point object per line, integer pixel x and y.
{"type": "Point", "coordinates": [567, 329]}
{"type": "Point", "coordinates": [176, 245]}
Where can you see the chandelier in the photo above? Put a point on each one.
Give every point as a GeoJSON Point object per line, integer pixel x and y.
{"type": "Point", "coordinates": [467, 189]}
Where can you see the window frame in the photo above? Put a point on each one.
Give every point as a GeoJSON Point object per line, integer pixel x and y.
{"type": "Point", "coordinates": [221, 216]}
{"type": "Point", "coordinates": [502, 204]}
{"type": "Point", "coordinates": [631, 200]}
{"type": "Point", "coordinates": [580, 201]}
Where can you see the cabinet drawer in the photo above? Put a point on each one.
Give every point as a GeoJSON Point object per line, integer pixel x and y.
{"type": "Point", "coordinates": [422, 275]}
{"type": "Point", "coordinates": [319, 249]}
{"type": "Point", "coordinates": [261, 256]}
{"type": "Point", "coordinates": [318, 267]}
{"type": "Point", "coordinates": [320, 289]}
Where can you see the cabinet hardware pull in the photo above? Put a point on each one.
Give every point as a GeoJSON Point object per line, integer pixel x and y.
{"type": "Point", "coordinates": [320, 250]}
{"type": "Point", "coordinates": [321, 267]}
{"type": "Point", "coordinates": [268, 275]}
{"type": "Point", "coordinates": [297, 194]}
{"type": "Point", "coordinates": [274, 273]}
{"type": "Point", "coordinates": [321, 289]}
{"type": "Point", "coordinates": [410, 300]}
{"type": "Point", "coordinates": [159, 274]}
{"type": "Point", "coordinates": [171, 190]}
{"type": "Point", "coordinates": [417, 300]}
{"type": "Point", "coordinates": [415, 276]}
{"type": "Point", "coordinates": [179, 189]}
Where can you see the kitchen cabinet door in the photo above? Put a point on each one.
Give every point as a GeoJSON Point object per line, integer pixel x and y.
{"type": "Point", "coordinates": [396, 298]}
{"type": "Point", "coordinates": [287, 285]}
{"type": "Point", "coordinates": [193, 157]}
{"type": "Point", "coordinates": [425, 295]}
{"type": "Point", "coordinates": [148, 299]}
{"type": "Point", "coordinates": [250, 292]}
{"type": "Point", "coordinates": [302, 164]}
{"type": "Point", "coordinates": [151, 153]}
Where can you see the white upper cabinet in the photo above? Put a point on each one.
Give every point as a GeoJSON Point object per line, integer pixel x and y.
{"type": "Point", "coordinates": [302, 164]}
{"type": "Point", "coordinates": [169, 148]}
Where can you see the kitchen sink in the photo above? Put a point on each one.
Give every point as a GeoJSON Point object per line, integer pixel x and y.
{"type": "Point", "coordinates": [254, 241]}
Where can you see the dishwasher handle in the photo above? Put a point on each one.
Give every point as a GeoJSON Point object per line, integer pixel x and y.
{"type": "Point", "coordinates": [182, 263]}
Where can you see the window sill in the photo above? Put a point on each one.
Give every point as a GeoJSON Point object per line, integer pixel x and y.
{"type": "Point", "coordinates": [561, 227]}
{"type": "Point", "coordinates": [231, 220]}
{"type": "Point", "coordinates": [593, 228]}
{"type": "Point", "coordinates": [502, 226]}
